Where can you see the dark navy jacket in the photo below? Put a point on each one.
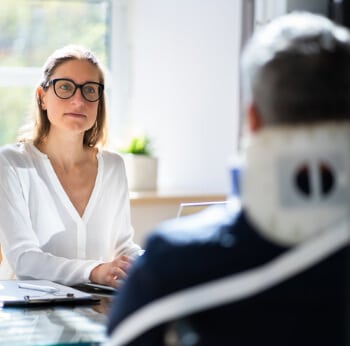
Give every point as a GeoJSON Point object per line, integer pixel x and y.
{"type": "Point", "coordinates": [308, 309]}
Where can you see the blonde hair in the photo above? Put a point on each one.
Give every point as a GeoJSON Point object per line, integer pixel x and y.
{"type": "Point", "coordinates": [38, 131]}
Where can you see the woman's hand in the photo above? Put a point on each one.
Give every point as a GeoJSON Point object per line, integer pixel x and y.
{"type": "Point", "coordinates": [108, 273]}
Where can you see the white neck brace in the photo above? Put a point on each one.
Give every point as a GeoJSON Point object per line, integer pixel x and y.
{"type": "Point", "coordinates": [284, 210]}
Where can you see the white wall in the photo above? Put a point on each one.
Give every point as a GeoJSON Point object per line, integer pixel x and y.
{"type": "Point", "coordinates": [183, 87]}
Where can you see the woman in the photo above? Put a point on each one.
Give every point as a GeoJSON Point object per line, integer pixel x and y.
{"type": "Point", "coordinates": [64, 207]}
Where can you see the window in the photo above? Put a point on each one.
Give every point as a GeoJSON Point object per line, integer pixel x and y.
{"type": "Point", "coordinates": [30, 31]}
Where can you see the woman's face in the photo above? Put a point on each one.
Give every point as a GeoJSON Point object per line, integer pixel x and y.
{"type": "Point", "coordinates": [74, 114]}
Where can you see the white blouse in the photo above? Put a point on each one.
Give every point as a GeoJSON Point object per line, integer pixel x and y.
{"type": "Point", "coordinates": [42, 235]}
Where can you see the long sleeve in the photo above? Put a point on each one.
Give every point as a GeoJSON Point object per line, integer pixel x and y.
{"type": "Point", "coordinates": [41, 233]}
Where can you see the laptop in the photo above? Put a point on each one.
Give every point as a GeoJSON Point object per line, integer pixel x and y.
{"type": "Point", "coordinates": [195, 207]}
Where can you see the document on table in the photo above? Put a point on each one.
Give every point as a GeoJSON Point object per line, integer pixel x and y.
{"type": "Point", "coordinates": [41, 292]}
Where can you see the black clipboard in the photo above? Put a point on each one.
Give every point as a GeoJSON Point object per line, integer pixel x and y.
{"type": "Point", "coordinates": [14, 293]}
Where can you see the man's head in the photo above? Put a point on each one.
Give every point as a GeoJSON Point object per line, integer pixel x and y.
{"type": "Point", "coordinates": [296, 70]}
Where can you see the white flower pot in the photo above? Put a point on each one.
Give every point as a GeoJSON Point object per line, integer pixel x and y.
{"type": "Point", "coordinates": [141, 171]}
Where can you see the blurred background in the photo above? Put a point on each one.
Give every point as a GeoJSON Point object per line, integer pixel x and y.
{"type": "Point", "coordinates": [172, 69]}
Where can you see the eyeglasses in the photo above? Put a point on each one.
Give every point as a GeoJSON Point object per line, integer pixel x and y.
{"type": "Point", "coordinates": [66, 88]}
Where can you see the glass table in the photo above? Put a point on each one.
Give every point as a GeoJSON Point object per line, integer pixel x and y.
{"type": "Point", "coordinates": [78, 325]}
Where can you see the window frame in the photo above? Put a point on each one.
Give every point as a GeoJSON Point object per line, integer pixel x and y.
{"type": "Point", "coordinates": [116, 72]}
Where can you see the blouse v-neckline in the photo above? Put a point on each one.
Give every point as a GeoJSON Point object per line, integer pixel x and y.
{"type": "Point", "coordinates": [61, 191]}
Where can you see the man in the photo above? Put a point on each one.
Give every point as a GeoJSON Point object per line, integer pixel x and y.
{"type": "Point", "coordinates": [276, 271]}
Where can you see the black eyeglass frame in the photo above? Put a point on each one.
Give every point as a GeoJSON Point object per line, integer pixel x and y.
{"type": "Point", "coordinates": [76, 86]}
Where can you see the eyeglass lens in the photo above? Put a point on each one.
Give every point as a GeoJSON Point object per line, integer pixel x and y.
{"type": "Point", "coordinates": [66, 89]}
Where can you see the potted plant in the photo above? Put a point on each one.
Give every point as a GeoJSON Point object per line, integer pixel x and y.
{"type": "Point", "coordinates": [140, 164]}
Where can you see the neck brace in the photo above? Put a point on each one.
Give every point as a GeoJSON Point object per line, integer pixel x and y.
{"type": "Point", "coordinates": [296, 180]}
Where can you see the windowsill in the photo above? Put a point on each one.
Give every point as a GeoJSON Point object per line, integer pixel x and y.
{"type": "Point", "coordinates": [171, 197]}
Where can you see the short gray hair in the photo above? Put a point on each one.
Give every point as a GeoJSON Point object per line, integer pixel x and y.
{"type": "Point", "coordinates": [296, 69]}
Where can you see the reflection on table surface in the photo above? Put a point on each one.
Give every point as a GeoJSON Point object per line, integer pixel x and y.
{"type": "Point", "coordinates": [80, 325]}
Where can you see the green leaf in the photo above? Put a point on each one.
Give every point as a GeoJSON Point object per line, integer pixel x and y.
{"type": "Point", "coordinates": [139, 146]}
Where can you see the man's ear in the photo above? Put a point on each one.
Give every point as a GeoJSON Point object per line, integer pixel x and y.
{"type": "Point", "coordinates": [254, 118]}
{"type": "Point", "coordinates": [41, 97]}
